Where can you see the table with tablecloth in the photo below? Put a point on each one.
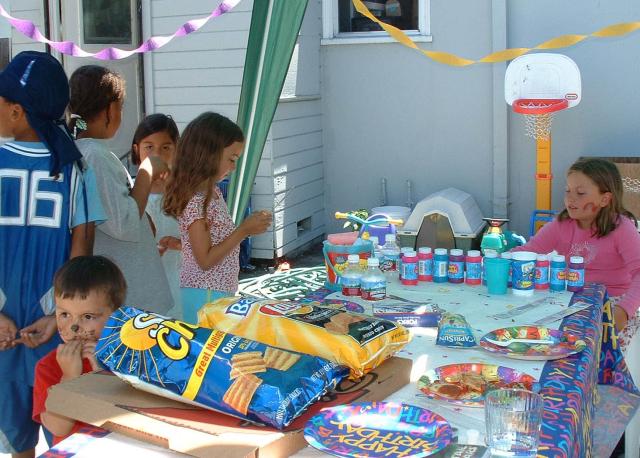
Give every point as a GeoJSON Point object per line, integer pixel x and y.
{"type": "Point", "coordinates": [569, 385]}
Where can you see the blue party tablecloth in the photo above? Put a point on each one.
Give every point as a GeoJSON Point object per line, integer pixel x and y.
{"type": "Point", "coordinates": [569, 385]}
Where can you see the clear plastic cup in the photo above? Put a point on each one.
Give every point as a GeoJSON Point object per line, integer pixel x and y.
{"type": "Point", "coordinates": [513, 419]}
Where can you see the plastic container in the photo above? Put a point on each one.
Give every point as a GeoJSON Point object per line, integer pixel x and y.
{"type": "Point", "coordinates": [403, 250]}
{"type": "Point", "coordinates": [425, 264]}
{"type": "Point", "coordinates": [409, 268]}
{"type": "Point", "coordinates": [508, 255]}
{"type": "Point", "coordinates": [473, 267]}
{"type": "Point", "coordinates": [440, 266]}
{"type": "Point", "coordinates": [335, 259]}
{"type": "Point", "coordinates": [557, 273]}
{"type": "Point", "coordinates": [376, 246]}
{"type": "Point", "coordinates": [351, 276]}
{"type": "Point", "coordinates": [373, 285]}
{"type": "Point", "coordinates": [390, 254]}
{"type": "Point", "coordinates": [487, 254]}
{"type": "Point", "coordinates": [393, 212]}
{"type": "Point", "coordinates": [575, 274]}
{"type": "Point", "coordinates": [456, 266]}
{"type": "Point", "coordinates": [524, 272]}
{"type": "Point", "coordinates": [343, 238]}
{"type": "Point", "coordinates": [541, 281]}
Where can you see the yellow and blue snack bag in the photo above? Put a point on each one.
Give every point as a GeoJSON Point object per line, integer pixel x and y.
{"type": "Point", "coordinates": [359, 341]}
{"type": "Point", "coordinates": [213, 369]}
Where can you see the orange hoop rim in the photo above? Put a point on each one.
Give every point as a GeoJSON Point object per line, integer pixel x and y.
{"type": "Point", "coordinates": [539, 106]}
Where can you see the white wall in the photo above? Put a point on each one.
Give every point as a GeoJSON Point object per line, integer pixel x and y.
{"type": "Point", "coordinates": [390, 112]}
{"type": "Point", "coordinates": [31, 10]}
{"type": "Point", "coordinates": [607, 121]}
{"type": "Point", "coordinates": [203, 72]}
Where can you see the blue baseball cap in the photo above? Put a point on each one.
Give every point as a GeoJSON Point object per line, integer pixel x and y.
{"type": "Point", "coordinates": [37, 82]}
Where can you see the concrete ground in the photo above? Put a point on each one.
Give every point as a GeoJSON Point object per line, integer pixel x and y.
{"type": "Point", "coordinates": [310, 257]}
{"type": "Point", "coordinates": [291, 277]}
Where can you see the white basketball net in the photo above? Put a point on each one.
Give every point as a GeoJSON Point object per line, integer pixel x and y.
{"type": "Point", "coordinates": [631, 184]}
{"type": "Point", "coordinates": [538, 126]}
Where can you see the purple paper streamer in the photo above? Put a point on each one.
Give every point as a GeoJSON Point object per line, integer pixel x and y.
{"type": "Point", "coordinates": [30, 30]}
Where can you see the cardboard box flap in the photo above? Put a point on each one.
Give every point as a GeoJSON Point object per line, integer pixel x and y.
{"type": "Point", "coordinates": [103, 400]}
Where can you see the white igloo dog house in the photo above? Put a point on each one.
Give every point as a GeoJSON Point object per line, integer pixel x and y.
{"type": "Point", "coordinates": [449, 218]}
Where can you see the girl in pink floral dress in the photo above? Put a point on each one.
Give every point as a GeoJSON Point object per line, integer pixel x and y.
{"type": "Point", "coordinates": [207, 152]}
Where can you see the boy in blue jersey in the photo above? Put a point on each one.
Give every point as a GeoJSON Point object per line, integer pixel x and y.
{"type": "Point", "coordinates": [48, 209]}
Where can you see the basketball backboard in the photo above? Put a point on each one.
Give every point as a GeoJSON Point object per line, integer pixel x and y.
{"type": "Point", "coordinates": [543, 76]}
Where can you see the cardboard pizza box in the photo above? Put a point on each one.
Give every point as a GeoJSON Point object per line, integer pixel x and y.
{"type": "Point", "coordinates": [101, 399]}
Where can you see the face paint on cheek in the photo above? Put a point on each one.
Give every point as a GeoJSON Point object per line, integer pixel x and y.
{"type": "Point", "coordinates": [590, 208]}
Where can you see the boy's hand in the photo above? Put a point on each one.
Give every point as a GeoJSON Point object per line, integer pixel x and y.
{"type": "Point", "coordinates": [257, 222]}
{"type": "Point", "coordinates": [89, 352]}
{"type": "Point", "coordinates": [8, 331]}
{"type": "Point", "coordinates": [69, 358]}
{"type": "Point", "coordinates": [169, 242]}
{"type": "Point", "coordinates": [39, 332]}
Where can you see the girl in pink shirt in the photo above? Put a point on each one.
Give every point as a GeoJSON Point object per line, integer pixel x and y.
{"type": "Point", "coordinates": [207, 152]}
{"type": "Point", "coordinates": [596, 226]}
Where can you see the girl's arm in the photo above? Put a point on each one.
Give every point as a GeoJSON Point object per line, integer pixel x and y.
{"type": "Point", "coordinates": [545, 241]}
{"type": "Point", "coordinates": [628, 243]}
{"type": "Point", "coordinates": [208, 255]}
{"type": "Point", "coordinates": [122, 212]}
{"type": "Point", "coordinates": [82, 238]}
{"type": "Point", "coordinates": [151, 169]}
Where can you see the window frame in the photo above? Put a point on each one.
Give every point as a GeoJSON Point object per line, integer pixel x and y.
{"type": "Point", "coordinates": [332, 36]}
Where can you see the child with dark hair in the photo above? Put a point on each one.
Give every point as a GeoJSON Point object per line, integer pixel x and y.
{"type": "Point", "coordinates": [48, 210]}
{"type": "Point", "coordinates": [95, 104]}
{"type": "Point", "coordinates": [87, 290]}
{"type": "Point", "coordinates": [157, 135]}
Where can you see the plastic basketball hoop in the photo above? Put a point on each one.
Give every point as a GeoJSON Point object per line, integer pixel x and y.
{"type": "Point", "coordinates": [538, 115]}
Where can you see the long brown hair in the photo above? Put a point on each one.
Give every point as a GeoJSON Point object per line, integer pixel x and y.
{"type": "Point", "coordinates": [606, 176]}
{"type": "Point", "coordinates": [197, 159]}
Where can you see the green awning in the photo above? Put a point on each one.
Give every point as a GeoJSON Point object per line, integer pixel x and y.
{"type": "Point", "coordinates": [274, 31]}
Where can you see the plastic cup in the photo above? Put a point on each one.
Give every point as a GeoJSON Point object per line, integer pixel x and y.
{"type": "Point", "coordinates": [523, 272]}
{"type": "Point", "coordinates": [513, 418]}
{"type": "Point", "coordinates": [497, 273]}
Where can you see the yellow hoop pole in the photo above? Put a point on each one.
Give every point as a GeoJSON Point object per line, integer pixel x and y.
{"type": "Point", "coordinates": [543, 176]}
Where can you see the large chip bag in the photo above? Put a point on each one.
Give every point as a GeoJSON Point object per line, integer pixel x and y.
{"type": "Point", "coordinates": [358, 341]}
{"type": "Point", "coordinates": [213, 369]}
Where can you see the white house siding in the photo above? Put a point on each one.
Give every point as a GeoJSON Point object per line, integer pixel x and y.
{"type": "Point", "coordinates": [291, 173]}
{"type": "Point", "coordinates": [32, 10]}
{"type": "Point", "coordinates": [203, 72]}
{"type": "Point", "coordinates": [199, 72]}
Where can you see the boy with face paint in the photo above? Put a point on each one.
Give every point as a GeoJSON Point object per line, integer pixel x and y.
{"type": "Point", "coordinates": [87, 290]}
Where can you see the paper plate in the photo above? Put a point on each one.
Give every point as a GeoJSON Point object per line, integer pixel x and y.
{"type": "Point", "coordinates": [465, 384]}
{"type": "Point", "coordinates": [565, 343]}
{"type": "Point", "coordinates": [378, 429]}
